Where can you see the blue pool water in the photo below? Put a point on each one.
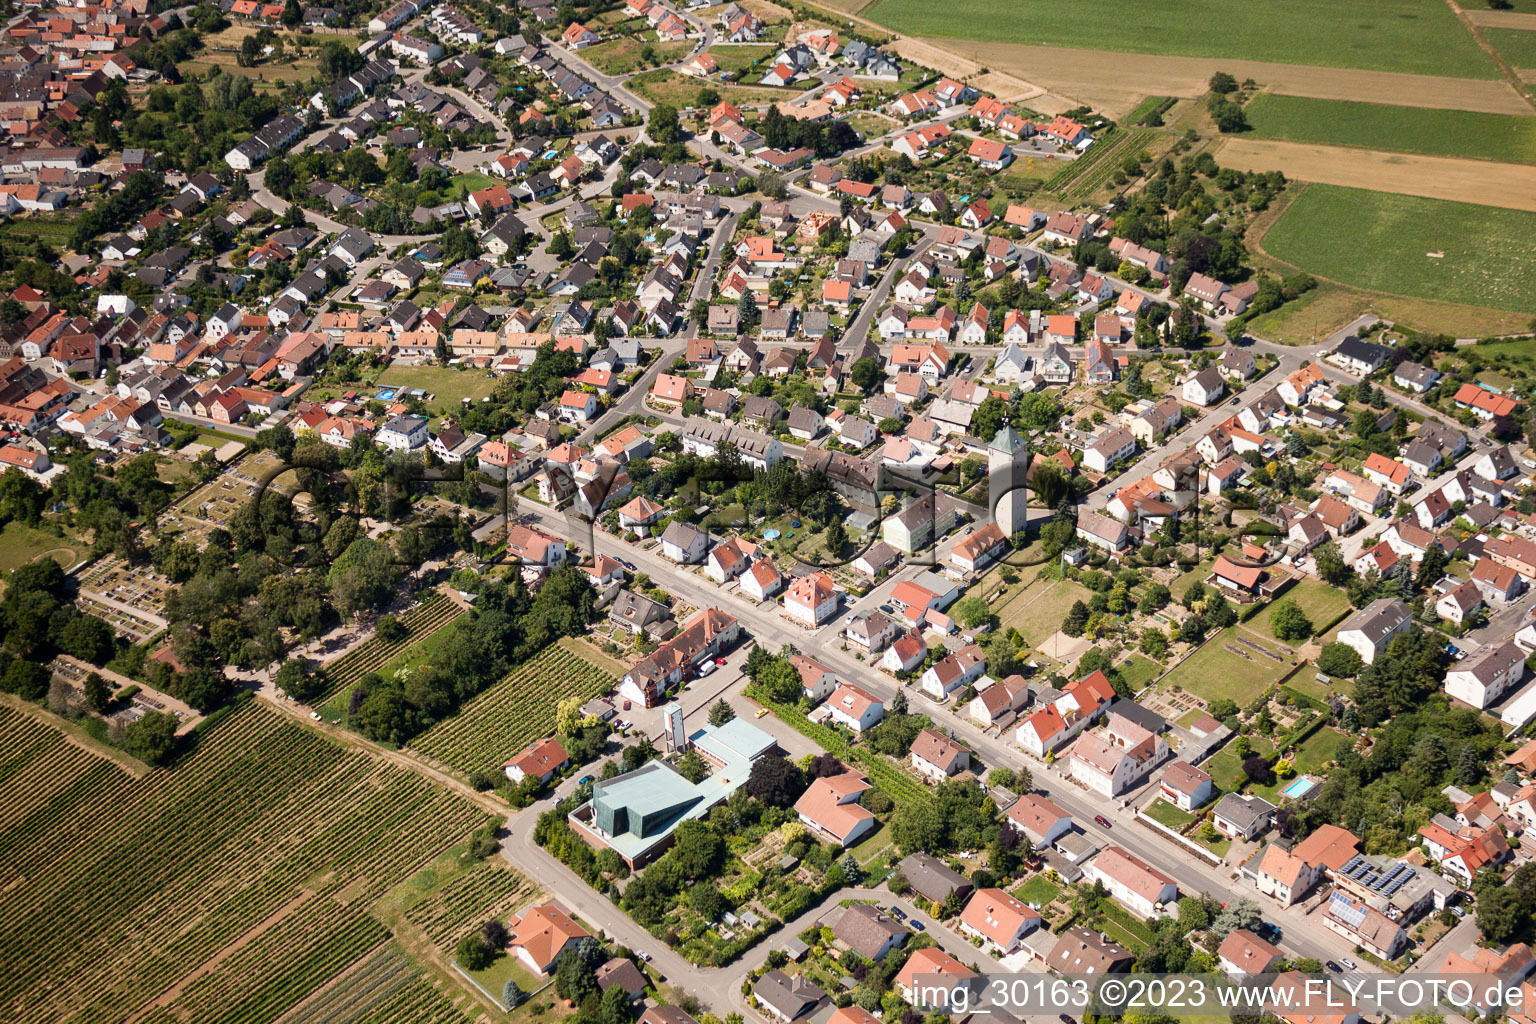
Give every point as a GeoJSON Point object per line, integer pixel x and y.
{"type": "Point", "coordinates": [386, 394]}
{"type": "Point", "coordinates": [1298, 788]}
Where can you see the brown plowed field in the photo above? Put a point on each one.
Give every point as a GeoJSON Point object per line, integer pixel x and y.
{"type": "Point", "coordinates": [1115, 82]}
{"type": "Point", "coordinates": [1512, 186]}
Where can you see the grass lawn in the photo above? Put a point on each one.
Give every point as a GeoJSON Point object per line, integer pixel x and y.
{"type": "Point", "coordinates": [470, 181]}
{"type": "Point", "coordinates": [1226, 767]}
{"type": "Point", "coordinates": [1179, 587]}
{"type": "Point", "coordinates": [1420, 36]}
{"type": "Point", "coordinates": [662, 86]}
{"type": "Point", "coordinates": [446, 385]}
{"type": "Point", "coordinates": [1381, 241]}
{"type": "Point", "coordinates": [1505, 137]}
{"type": "Point", "coordinates": [731, 58]}
{"type": "Point", "coordinates": [1037, 612]}
{"type": "Point", "coordinates": [1305, 682]}
{"type": "Point", "coordinates": [494, 978]}
{"type": "Point", "coordinates": [1038, 890]}
{"type": "Point", "coordinates": [1321, 747]}
{"type": "Point", "coordinates": [1518, 46]}
{"type": "Point", "coordinates": [1138, 672]}
{"type": "Point", "coordinates": [1215, 672]}
{"type": "Point", "coordinates": [865, 851]}
{"type": "Point", "coordinates": [1165, 813]}
{"type": "Point", "coordinates": [20, 544]}
{"type": "Point", "coordinates": [1321, 603]}
{"type": "Point", "coordinates": [621, 56]}
{"type": "Point", "coordinates": [421, 653]}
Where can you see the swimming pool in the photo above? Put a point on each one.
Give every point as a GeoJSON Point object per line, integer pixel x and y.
{"type": "Point", "coordinates": [1299, 788]}
{"type": "Point", "coordinates": [386, 394]}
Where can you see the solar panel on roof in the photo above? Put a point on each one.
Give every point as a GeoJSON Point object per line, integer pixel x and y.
{"type": "Point", "coordinates": [1354, 862]}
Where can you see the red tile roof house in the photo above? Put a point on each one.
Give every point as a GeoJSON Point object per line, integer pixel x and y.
{"type": "Point", "coordinates": [542, 762]}
{"type": "Point", "coordinates": [541, 934]}
{"type": "Point", "coordinates": [830, 808]}
{"type": "Point", "coordinates": [998, 919]}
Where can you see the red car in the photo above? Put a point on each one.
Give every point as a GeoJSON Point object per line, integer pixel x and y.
{"type": "Point", "coordinates": [1103, 821]}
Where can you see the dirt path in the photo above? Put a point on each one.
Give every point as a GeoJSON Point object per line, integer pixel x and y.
{"type": "Point", "coordinates": [1512, 186]}
{"type": "Point", "coordinates": [1505, 68]}
{"type": "Point", "coordinates": [208, 966]}
{"type": "Point", "coordinates": [1115, 82]}
{"type": "Point", "coordinates": [77, 736]}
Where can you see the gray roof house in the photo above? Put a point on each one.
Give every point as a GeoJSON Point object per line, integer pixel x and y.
{"type": "Point", "coordinates": [932, 878]}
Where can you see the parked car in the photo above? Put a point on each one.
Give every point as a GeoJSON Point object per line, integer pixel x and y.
{"type": "Point", "coordinates": [1349, 965]}
{"type": "Point", "coordinates": [917, 925]}
{"type": "Point", "coordinates": [706, 668]}
{"type": "Point", "coordinates": [584, 780]}
{"type": "Point", "coordinates": [1332, 966]}
{"type": "Point", "coordinates": [1103, 821]}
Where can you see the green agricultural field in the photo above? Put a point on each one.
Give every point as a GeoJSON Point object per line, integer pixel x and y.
{"type": "Point", "coordinates": [1518, 46]}
{"type": "Point", "coordinates": [1382, 241]}
{"type": "Point", "coordinates": [1403, 129]}
{"type": "Point", "coordinates": [513, 712]}
{"type": "Point", "coordinates": [257, 859]}
{"type": "Point", "coordinates": [448, 386]}
{"type": "Point", "coordinates": [1420, 36]}
{"type": "Point", "coordinates": [1215, 672]}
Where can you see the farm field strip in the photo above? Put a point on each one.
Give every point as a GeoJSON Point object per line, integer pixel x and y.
{"type": "Point", "coordinates": [513, 712]}
{"type": "Point", "coordinates": [245, 870]}
{"type": "Point", "coordinates": [1116, 81]}
{"type": "Point", "coordinates": [1417, 36]}
{"type": "Point", "coordinates": [1449, 133]}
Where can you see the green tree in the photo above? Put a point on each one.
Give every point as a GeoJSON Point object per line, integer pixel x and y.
{"type": "Point", "coordinates": [721, 712]}
{"type": "Point", "coordinates": [989, 417]}
{"type": "Point", "coordinates": [1223, 83]}
{"type": "Point", "coordinates": [865, 374]}
{"type": "Point", "coordinates": [295, 679]}
{"type": "Point", "coordinates": [152, 739]}
{"type": "Point", "coordinates": [691, 766]}
{"type": "Point", "coordinates": [1076, 620]}
{"type": "Point", "coordinates": [662, 125]}
{"type": "Point", "coordinates": [1331, 565]}
{"type": "Point", "coordinates": [1338, 659]}
{"type": "Point", "coordinates": [1289, 622]}
{"type": "Point", "coordinates": [1154, 643]}
{"type": "Point", "coordinates": [837, 538]}
{"type": "Point", "coordinates": [1050, 482]}
{"type": "Point", "coordinates": [97, 693]}
{"type": "Point", "coordinates": [972, 611]}
{"type": "Point", "coordinates": [473, 953]}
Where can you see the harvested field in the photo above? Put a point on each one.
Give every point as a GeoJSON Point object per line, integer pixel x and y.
{"type": "Point", "coordinates": [1501, 19]}
{"type": "Point", "coordinates": [1431, 177]}
{"type": "Point", "coordinates": [1116, 82]}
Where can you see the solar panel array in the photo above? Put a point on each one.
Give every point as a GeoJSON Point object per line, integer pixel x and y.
{"type": "Point", "coordinates": [1386, 881]}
